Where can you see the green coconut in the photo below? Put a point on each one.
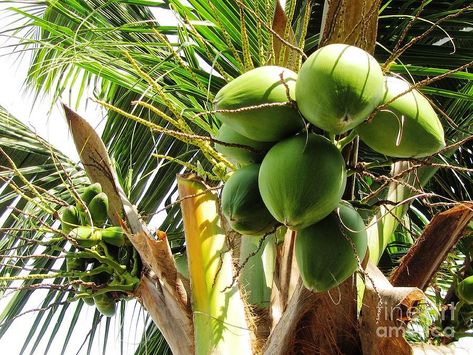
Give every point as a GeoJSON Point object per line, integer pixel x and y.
{"type": "Point", "coordinates": [85, 290]}
{"type": "Point", "coordinates": [407, 127]}
{"type": "Point", "coordinates": [240, 155]}
{"type": "Point", "coordinates": [242, 204]}
{"type": "Point", "coordinates": [86, 236]}
{"type": "Point", "coordinates": [70, 219]}
{"type": "Point", "coordinates": [113, 236]}
{"type": "Point", "coordinates": [75, 264]}
{"type": "Point", "coordinates": [90, 192]}
{"type": "Point", "coordinates": [302, 180]}
{"type": "Point", "coordinates": [325, 251]}
{"type": "Point", "coordinates": [464, 290]}
{"type": "Point", "coordinates": [98, 208]}
{"type": "Point", "coordinates": [105, 304]}
{"type": "Point", "coordinates": [338, 86]}
{"type": "Point", "coordinates": [259, 86]}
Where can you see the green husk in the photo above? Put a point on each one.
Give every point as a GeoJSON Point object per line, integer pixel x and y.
{"type": "Point", "coordinates": [90, 192]}
{"type": "Point", "coordinates": [242, 204]}
{"type": "Point", "coordinates": [260, 86]}
{"type": "Point", "coordinates": [113, 236]}
{"type": "Point", "coordinates": [98, 208]}
{"type": "Point", "coordinates": [464, 290]}
{"type": "Point", "coordinates": [325, 251]}
{"type": "Point", "coordinates": [302, 179]}
{"type": "Point", "coordinates": [239, 154]}
{"type": "Point", "coordinates": [338, 87]}
{"type": "Point", "coordinates": [105, 304]}
{"type": "Point", "coordinates": [70, 219]}
{"type": "Point", "coordinates": [407, 127]}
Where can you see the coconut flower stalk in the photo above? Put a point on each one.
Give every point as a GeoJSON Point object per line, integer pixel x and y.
{"type": "Point", "coordinates": [220, 325]}
{"type": "Point", "coordinates": [166, 303]}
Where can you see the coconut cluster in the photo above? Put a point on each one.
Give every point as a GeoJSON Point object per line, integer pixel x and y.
{"type": "Point", "coordinates": [293, 177]}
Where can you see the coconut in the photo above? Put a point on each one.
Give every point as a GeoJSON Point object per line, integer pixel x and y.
{"type": "Point", "coordinates": [464, 290]}
{"type": "Point", "coordinates": [302, 179]}
{"type": "Point", "coordinates": [259, 86]}
{"type": "Point", "coordinates": [242, 205]}
{"type": "Point", "coordinates": [325, 251]}
{"type": "Point", "coordinates": [407, 127]}
{"type": "Point", "coordinates": [338, 86]}
{"type": "Point", "coordinates": [105, 304]}
{"type": "Point", "coordinates": [236, 154]}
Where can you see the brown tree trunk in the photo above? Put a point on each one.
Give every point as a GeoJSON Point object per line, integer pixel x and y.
{"type": "Point", "coordinates": [317, 323]}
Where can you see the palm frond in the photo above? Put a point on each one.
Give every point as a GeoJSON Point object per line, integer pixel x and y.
{"type": "Point", "coordinates": [35, 184]}
{"type": "Point", "coordinates": [37, 181]}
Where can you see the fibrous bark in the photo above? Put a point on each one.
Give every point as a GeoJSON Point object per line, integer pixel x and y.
{"type": "Point", "coordinates": [353, 22]}
{"type": "Point", "coordinates": [317, 323]}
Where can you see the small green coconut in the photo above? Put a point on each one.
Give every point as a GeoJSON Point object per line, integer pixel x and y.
{"type": "Point", "coordinates": [70, 219]}
{"type": "Point", "coordinates": [338, 86]}
{"type": "Point", "coordinates": [90, 192]}
{"type": "Point", "coordinates": [464, 290]}
{"type": "Point", "coordinates": [98, 208]}
{"type": "Point", "coordinates": [263, 85]}
{"type": "Point", "coordinates": [113, 235]}
{"type": "Point", "coordinates": [242, 204]}
{"type": "Point", "coordinates": [407, 127]}
{"type": "Point", "coordinates": [241, 155]}
{"type": "Point", "coordinates": [325, 251]}
{"type": "Point", "coordinates": [302, 180]}
{"type": "Point", "coordinates": [105, 304]}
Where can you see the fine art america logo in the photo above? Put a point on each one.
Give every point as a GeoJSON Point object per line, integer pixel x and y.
{"type": "Point", "coordinates": [396, 318]}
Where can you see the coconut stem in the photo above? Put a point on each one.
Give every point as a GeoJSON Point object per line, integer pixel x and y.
{"type": "Point", "coordinates": [331, 136]}
{"type": "Point", "coordinates": [342, 143]}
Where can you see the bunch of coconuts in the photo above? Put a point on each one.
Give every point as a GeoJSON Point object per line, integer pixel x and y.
{"type": "Point", "coordinates": [290, 176]}
{"type": "Point", "coordinates": [102, 265]}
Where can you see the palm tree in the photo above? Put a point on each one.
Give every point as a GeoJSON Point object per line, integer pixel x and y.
{"type": "Point", "coordinates": [157, 82]}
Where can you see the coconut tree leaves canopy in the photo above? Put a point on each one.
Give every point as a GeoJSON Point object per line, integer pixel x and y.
{"type": "Point", "coordinates": [126, 53]}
